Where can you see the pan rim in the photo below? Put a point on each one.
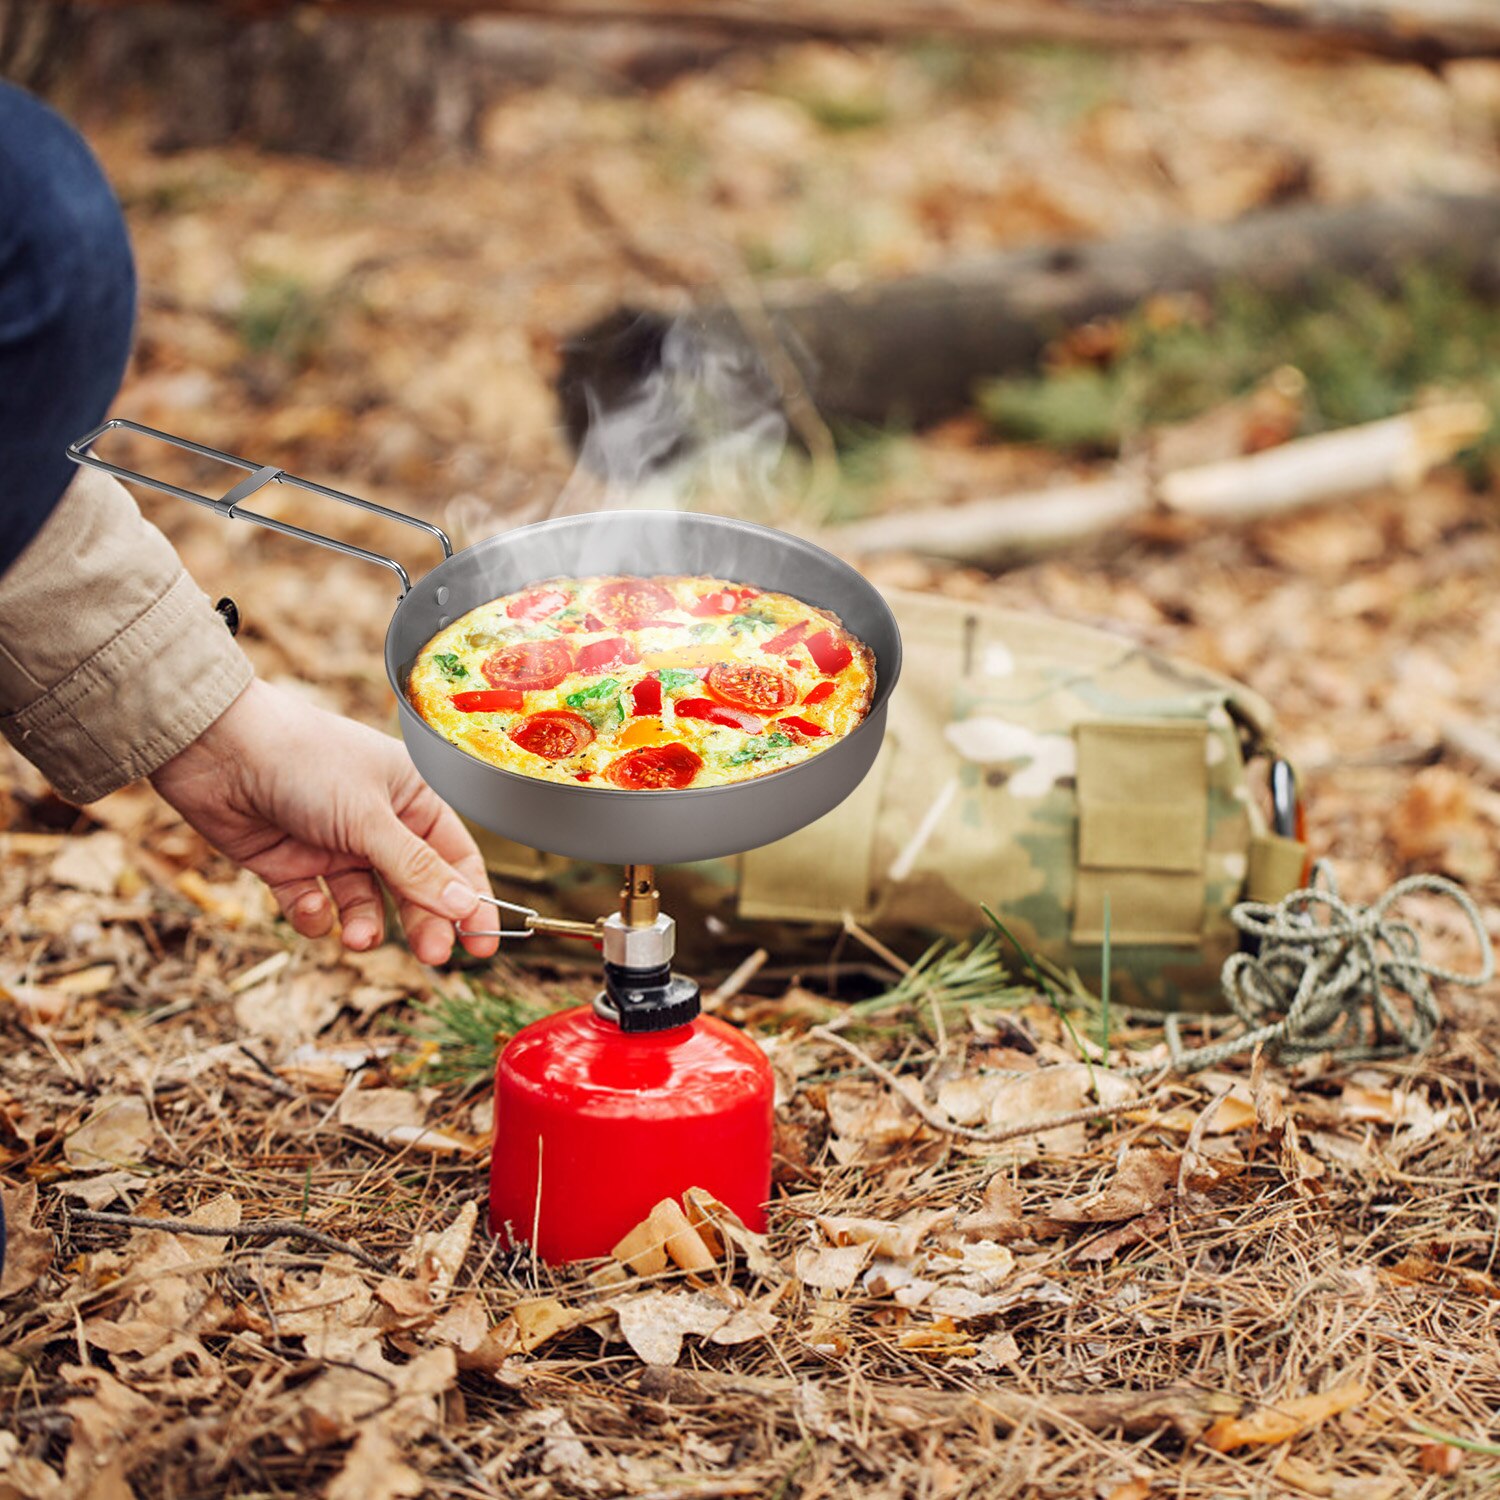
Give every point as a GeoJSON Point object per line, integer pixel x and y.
{"type": "Point", "coordinates": [884, 685]}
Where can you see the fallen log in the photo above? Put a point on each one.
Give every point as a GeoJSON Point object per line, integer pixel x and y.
{"type": "Point", "coordinates": [911, 350]}
{"type": "Point", "coordinates": [1397, 452]}
{"type": "Point", "coordinates": [1429, 32]}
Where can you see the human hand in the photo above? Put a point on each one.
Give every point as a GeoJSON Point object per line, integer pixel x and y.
{"type": "Point", "coordinates": [298, 796]}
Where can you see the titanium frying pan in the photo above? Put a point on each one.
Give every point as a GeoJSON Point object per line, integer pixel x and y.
{"type": "Point", "coordinates": [591, 822]}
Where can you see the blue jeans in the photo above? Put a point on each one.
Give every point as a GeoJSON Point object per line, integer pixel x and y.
{"type": "Point", "coordinates": [67, 305]}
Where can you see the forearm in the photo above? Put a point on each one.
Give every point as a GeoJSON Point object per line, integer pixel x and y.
{"type": "Point", "coordinates": [111, 659]}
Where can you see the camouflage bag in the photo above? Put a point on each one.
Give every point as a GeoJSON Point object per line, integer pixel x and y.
{"type": "Point", "coordinates": [1043, 768]}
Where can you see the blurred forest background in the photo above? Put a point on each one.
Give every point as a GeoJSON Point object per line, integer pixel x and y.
{"type": "Point", "coordinates": [366, 242]}
{"type": "Point", "coordinates": [984, 261]}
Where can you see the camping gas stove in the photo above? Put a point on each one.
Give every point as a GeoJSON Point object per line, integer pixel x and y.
{"type": "Point", "coordinates": [606, 1109]}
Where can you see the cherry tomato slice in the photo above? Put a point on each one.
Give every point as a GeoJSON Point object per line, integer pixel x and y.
{"type": "Point", "coordinates": [831, 654]}
{"type": "Point", "coordinates": [717, 713]}
{"type": "Point", "coordinates": [536, 605]}
{"type": "Point", "coordinates": [647, 696]}
{"type": "Point", "coordinates": [805, 727]}
{"type": "Point", "coordinates": [631, 602]}
{"type": "Point", "coordinates": [818, 694]}
{"type": "Point", "coordinates": [528, 665]}
{"type": "Point", "coordinates": [759, 689]}
{"type": "Point", "coordinates": [723, 601]}
{"type": "Point", "coordinates": [781, 644]}
{"type": "Point", "coordinates": [599, 656]}
{"type": "Point", "coordinates": [655, 768]}
{"type": "Point", "coordinates": [487, 700]}
{"type": "Point", "coordinates": [554, 734]}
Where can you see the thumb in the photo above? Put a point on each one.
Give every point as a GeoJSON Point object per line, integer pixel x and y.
{"type": "Point", "coordinates": [415, 872]}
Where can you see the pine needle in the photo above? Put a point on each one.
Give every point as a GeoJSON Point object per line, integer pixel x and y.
{"type": "Point", "coordinates": [951, 975]}
{"type": "Point", "coordinates": [462, 1040]}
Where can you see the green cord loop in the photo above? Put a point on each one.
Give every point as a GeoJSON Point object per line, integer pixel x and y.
{"type": "Point", "coordinates": [1328, 975]}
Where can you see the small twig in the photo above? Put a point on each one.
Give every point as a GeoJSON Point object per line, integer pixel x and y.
{"type": "Point", "coordinates": [262, 1229]}
{"type": "Point", "coordinates": [950, 1127]}
{"type": "Point", "coordinates": [737, 979]}
{"type": "Point", "coordinates": [271, 1079]}
{"type": "Point", "coordinates": [471, 1470]}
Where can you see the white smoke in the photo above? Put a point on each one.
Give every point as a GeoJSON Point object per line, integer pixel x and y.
{"type": "Point", "coordinates": [700, 427]}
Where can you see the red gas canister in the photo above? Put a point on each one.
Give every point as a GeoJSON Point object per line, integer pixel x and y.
{"type": "Point", "coordinates": [594, 1125]}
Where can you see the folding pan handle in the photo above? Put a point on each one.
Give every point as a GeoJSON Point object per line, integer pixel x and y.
{"type": "Point", "coordinates": [257, 476]}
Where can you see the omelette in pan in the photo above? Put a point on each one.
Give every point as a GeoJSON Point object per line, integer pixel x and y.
{"type": "Point", "coordinates": [643, 684]}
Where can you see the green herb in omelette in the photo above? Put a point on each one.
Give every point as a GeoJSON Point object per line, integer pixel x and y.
{"type": "Point", "coordinates": [593, 692]}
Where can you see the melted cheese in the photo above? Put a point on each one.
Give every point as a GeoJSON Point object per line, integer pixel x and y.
{"type": "Point", "coordinates": [676, 645]}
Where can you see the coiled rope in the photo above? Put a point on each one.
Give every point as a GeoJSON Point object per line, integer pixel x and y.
{"type": "Point", "coordinates": [1332, 976]}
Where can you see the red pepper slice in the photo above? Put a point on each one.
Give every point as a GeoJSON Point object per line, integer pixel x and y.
{"type": "Point", "coordinates": [589, 623]}
{"type": "Point", "coordinates": [717, 713]}
{"type": "Point", "coordinates": [819, 693]}
{"type": "Point", "coordinates": [647, 696]}
{"type": "Point", "coordinates": [831, 654]}
{"type": "Point", "coordinates": [583, 775]}
{"type": "Point", "coordinates": [723, 601]}
{"type": "Point", "coordinates": [788, 638]}
{"type": "Point", "coordinates": [804, 727]}
{"type": "Point", "coordinates": [598, 656]}
{"type": "Point", "coordinates": [536, 605]}
{"type": "Point", "coordinates": [488, 700]}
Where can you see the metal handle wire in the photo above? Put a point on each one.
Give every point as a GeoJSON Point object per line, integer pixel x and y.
{"type": "Point", "coordinates": [257, 476]}
{"type": "Point", "coordinates": [529, 912]}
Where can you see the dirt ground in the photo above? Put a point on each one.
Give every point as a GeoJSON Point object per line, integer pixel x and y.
{"type": "Point", "coordinates": [1257, 1281]}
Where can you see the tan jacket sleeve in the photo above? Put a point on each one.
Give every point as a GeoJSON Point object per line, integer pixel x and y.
{"type": "Point", "coordinates": [111, 658]}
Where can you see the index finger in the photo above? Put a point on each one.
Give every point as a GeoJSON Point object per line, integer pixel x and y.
{"type": "Point", "coordinates": [448, 836]}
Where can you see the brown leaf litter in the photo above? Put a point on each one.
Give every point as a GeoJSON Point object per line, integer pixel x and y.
{"type": "Point", "coordinates": [1258, 1283]}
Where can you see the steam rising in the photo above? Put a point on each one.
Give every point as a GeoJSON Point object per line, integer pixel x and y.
{"type": "Point", "coordinates": [664, 414]}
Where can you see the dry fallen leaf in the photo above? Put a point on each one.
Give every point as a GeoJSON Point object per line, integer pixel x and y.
{"type": "Point", "coordinates": [1405, 1109]}
{"type": "Point", "coordinates": [170, 1295]}
{"type": "Point", "coordinates": [28, 1249]}
{"type": "Point", "coordinates": [545, 1318]}
{"type": "Point", "coordinates": [1144, 1180]}
{"type": "Point", "coordinates": [1303, 1476]}
{"type": "Point", "coordinates": [1283, 1420]}
{"type": "Point", "coordinates": [654, 1324]}
{"type": "Point", "coordinates": [994, 1101]}
{"type": "Point", "coordinates": [867, 1118]}
{"type": "Point", "coordinates": [117, 1133]}
{"type": "Point", "coordinates": [366, 1382]}
{"type": "Point", "coordinates": [832, 1269]}
{"type": "Point", "coordinates": [291, 1006]}
{"type": "Point", "coordinates": [899, 1241]}
{"type": "Point", "coordinates": [395, 1115]}
{"type": "Point", "coordinates": [435, 1259]}
{"type": "Point", "coordinates": [375, 1470]}
{"type": "Point", "coordinates": [93, 863]}
{"type": "Point", "coordinates": [753, 1321]}
{"type": "Point", "coordinates": [941, 1337]}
